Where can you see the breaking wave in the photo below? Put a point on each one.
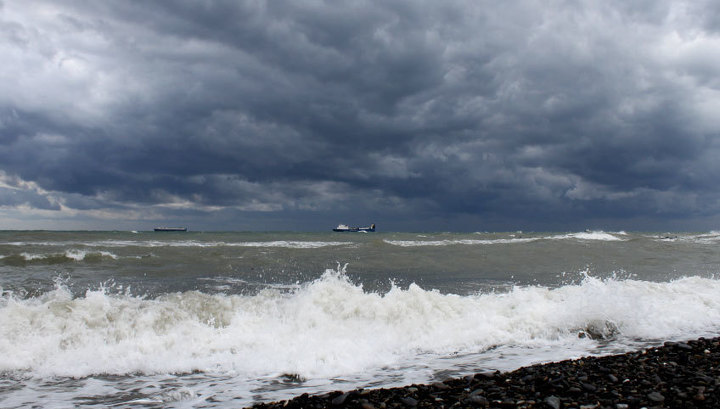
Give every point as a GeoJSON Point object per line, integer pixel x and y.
{"type": "Point", "coordinates": [587, 235]}
{"type": "Point", "coordinates": [711, 238]}
{"type": "Point", "coordinates": [590, 235]}
{"type": "Point", "coordinates": [331, 326]}
{"type": "Point", "coordinates": [418, 243]}
{"type": "Point", "coordinates": [292, 244]}
{"type": "Point", "coordinates": [57, 258]}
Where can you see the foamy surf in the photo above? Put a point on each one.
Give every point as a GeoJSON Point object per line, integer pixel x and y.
{"type": "Point", "coordinates": [333, 328]}
{"type": "Point", "coordinates": [710, 238]}
{"type": "Point", "coordinates": [436, 243]}
{"type": "Point", "coordinates": [291, 244]}
{"type": "Point", "coordinates": [590, 235]}
{"type": "Point", "coordinates": [53, 258]}
{"type": "Point", "coordinates": [513, 239]}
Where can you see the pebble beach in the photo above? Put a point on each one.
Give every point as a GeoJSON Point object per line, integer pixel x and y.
{"type": "Point", "coordinates": [675, 375]}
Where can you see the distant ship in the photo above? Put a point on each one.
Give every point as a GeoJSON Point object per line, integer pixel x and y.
{"type": "Point", "coordinates": [171, 229]}
{"type": "Point", "coordinates": [345, 227]}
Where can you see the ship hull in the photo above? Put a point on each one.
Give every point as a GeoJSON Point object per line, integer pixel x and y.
{"type": "Point", "coordinates": [345, 229]}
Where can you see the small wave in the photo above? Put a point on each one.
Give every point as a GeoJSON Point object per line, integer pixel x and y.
{"type": "Point", "coordinates": [712, 237]}
{"type": "Point", "coordinates": [225, 283]}
{"type": "Point", "coordinates": [290, 244]}
{"type": "Point", "coordinates": [188, 243]}
{"type": "Point", "coordinates": [194, 243]}
{"type": "Point", "coordinates": [709, 238]}
{"type": "Point", "coordinates": [589, 235]}
{"type": "Point", "coordinates": [418, 243]}
{"type": "Point", "coordinates": [57, 258]}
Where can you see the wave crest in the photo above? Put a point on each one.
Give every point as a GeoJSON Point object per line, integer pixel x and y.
{"type": "Point", "coordinates": [67, 256]}
{"type": "Point", "coordinates": [332, 326]}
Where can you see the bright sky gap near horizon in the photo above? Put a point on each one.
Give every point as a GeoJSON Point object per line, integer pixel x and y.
{"type": "Point", "coordinates": [414, 115]}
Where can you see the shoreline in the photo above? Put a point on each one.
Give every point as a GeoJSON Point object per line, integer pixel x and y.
{"type": "Point", "coordinates": [675, 375]}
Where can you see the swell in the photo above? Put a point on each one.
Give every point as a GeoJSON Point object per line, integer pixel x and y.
{"type": "Point", "coordinates": [68, 256]}
{"type": "Point", "coordinates": [519, 238]}
{"type": "Point", "coordinates": [332, 327]}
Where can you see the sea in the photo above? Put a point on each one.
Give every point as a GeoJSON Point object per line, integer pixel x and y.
{"type": "Point", "coordinates": [228, 319]}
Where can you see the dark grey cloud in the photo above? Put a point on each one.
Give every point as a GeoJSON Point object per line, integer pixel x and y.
{"type": "Point", "coordinates": [467, 114]}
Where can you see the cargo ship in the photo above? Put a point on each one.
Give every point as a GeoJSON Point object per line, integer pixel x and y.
{"type": "Point", "coordinates": [170, 229]}
{"type": "Point", "coordinates": [346, 228]}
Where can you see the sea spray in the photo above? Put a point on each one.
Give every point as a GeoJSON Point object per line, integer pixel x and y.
{"type": "Point", "coordinates": [333, 327]}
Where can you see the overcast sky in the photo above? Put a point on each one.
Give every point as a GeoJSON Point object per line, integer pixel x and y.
{"type": "Point", "coordinates": [416, 115]}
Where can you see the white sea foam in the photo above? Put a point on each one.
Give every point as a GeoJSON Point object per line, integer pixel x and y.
{"type": "Point", "coordinates": [293, 244]}
{"type": "Point", "coordinates": [31, 257]}
{"type": "Point", "coordinates": [194, 243]}
{"type": "Point", "coordinates": [80, 255]}
{"type": "Point", "coordinates": [589, 235]}
{"type": "Point", "coordinates": [331, 327]}
{"type": "Point", "coordinates": [289, 244]}
{"type": "Point", "coordinates": [227, 283]}
{"type": "Point", "coordinates": [72, 254]}
{"type": "Point", "coordinates": [434, 243]}
{"type": "Point", "coordinates": [712, 237]}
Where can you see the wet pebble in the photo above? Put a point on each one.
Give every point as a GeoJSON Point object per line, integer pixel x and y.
{"type": "Point", "coordinates": [589, 387]}
{"type": "Point", "coordinates": [655, 397]}
{"type": "Point", "coordinates": [479, 400]}
{"type": "Point", "coordinates": [553, 402]}
{"type": "Point", "coordinates": [677, 375]}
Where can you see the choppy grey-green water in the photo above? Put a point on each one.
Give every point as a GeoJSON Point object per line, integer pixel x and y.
{"type": "Point", "coordinates": [157, 262]}
{"type": "Point", "coordinates": [221, 319]}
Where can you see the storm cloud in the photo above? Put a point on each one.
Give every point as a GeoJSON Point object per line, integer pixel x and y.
{"type": "Point", "coordinates": [467, 115]}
